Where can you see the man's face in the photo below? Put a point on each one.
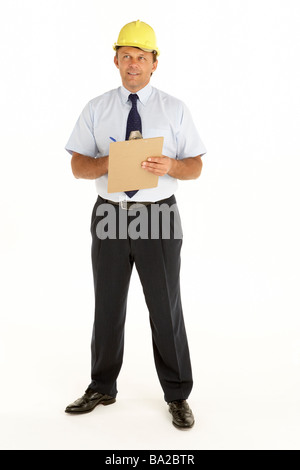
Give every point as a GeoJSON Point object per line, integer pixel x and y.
{"type": "Point", "coordinates": [136, 67]}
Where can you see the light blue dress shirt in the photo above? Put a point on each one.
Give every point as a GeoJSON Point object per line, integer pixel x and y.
{"type": "Point", "coordinates": [162, 115]}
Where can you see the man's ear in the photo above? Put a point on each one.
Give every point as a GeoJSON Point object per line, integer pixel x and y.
{"type": "Point", "coordinates": [154, 67]}
{"type": "Point", "coordinates": [116, 61]}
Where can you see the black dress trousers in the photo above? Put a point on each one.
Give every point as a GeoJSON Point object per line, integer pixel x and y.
{"type": "Point", "coordinates": [157, 260]}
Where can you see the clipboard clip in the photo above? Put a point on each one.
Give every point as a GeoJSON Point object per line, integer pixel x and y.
{"type": "Point", "coordinates": [134, 135]}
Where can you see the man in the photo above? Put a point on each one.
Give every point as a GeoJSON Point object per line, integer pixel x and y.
{"type": "Point", "coordinates": [136, 105]}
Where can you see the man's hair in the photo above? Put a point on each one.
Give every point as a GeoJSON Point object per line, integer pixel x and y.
{"type": "Point", "coordinates": [154, 54]}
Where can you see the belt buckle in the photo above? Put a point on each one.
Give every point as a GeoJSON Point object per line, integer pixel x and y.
{"type": "Point", "coordinates": [123, 204]}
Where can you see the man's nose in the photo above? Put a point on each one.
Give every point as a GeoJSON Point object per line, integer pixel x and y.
{"type": "Point", "coordinates": [133, 61]}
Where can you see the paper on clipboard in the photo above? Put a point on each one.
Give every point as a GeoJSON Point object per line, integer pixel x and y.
{"type": "Point", "coordinates": [125, 172]}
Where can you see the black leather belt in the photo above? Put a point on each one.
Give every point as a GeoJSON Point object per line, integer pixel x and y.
{"type": "Point", "coordinates": [127, 205]}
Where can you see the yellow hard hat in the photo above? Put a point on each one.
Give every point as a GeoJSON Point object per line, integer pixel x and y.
{"type": "Point", "coordinates": [137, 34]}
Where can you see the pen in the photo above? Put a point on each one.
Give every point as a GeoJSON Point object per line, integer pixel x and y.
{"type": "Point", "coordinates": [114, 140]}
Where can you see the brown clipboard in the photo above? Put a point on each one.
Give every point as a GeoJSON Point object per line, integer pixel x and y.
{"type": "Point", "coordinates": [125, 172]}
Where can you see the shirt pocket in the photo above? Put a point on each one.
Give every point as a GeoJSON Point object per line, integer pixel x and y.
{"type": "Point", "coordinates": [169, 145]}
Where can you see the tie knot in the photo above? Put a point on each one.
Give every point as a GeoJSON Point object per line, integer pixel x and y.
{"type": "Point", "coordinates": [133, 98]}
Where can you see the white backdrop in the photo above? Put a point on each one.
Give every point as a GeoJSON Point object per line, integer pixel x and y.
{"type": "Point", "coordinates": [236, 65]}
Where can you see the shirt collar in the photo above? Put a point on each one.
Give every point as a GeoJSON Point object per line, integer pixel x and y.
{"type": "Point", "coordinates": [143, 94]}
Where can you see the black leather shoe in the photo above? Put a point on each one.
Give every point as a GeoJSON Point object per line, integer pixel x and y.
{"type": "Point", "coordinates": [89, 401]}
{"type": "Point", "coordinates": [183, 417]}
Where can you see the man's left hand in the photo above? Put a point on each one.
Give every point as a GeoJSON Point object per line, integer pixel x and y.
{"type": "Point", "coordinates": [158, 165]}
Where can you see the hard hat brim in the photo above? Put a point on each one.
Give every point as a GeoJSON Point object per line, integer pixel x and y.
{"type": "Point", "coordinates": [156, 51]}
